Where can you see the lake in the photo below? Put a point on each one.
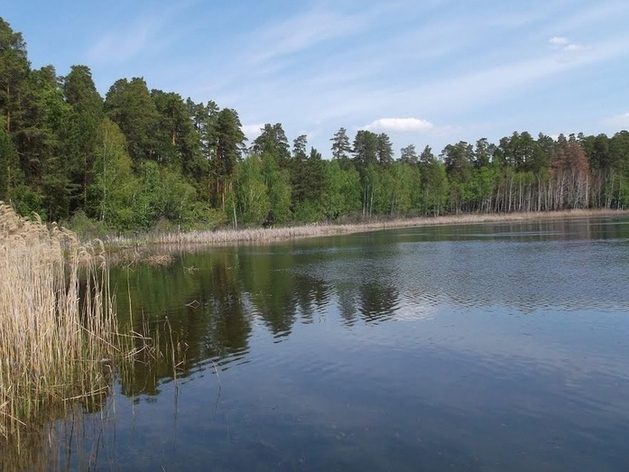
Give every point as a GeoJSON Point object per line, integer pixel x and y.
{"type": "Point", "coordinates": [493, 347]}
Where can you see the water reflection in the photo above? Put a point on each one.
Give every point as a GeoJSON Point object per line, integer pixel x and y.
{"type": "Point", "coordinates": [377, 302]}
{"type": "Point", "coordinates": [211, 300]}
{"type": "Point", "coordinates": [71, 438]}
{"type": "Point", "coordinates": [192, 309]}
{"type": "Point", "coordinates": [483, 347]}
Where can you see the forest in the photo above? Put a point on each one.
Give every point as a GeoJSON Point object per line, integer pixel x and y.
{"type": "Point", "coordinates": [142, 158]}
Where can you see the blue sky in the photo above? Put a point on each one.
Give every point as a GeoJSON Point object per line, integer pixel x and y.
{"type": "Point", "coordinates": [427, 72]}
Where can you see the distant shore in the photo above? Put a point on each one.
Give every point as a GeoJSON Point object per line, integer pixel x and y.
{"type": "Point", "coordinates": [262, 235]}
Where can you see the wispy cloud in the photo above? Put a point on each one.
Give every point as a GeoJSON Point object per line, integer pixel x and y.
{"type": "Point", "coordinates": [489, 67]}
{"type": "Point", "coordinates": [126, 42]}
{"type": "Point", "coordinates": [345, 68]}
{"type": "Point", "coordinates": [494, 83]}
{"type": "Point", "coordinates": [301, 32]}
{"type": "Point", "coordinates": [594, 17]}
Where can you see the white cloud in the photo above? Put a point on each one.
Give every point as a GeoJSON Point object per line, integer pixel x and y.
{"type": "Point", "coordinates": [400, 125]}
{"type": "Point", "coordinates": [618, 121]}
{"type": "Point", "coordinates": [573, 47]}
{"type": "Point", "coordinates": [562, 43]}
{"type": "Point", "coordinates": [559, 42]}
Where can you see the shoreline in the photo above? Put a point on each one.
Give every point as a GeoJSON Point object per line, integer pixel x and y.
{"type": "Point", "coordinates": [269, 235]}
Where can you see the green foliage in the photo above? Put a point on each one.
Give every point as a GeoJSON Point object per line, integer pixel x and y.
{"type": "Point", "coordinates": [113, 192]}
{"type": "Point", "coordinates": [140, 160]}
{"type": "Point", "coordinates": [10, 172]}
{"type": "Point", "coordinates": [435, 187]}
{"type": "Point", "coordinates": [408, 155]}
{"type": "Point", "coordinates": [277, 182]}
{"type": "Point", "coordinates": [84, 136]}
{"type": "Point", "coordinates": [201, 216]}
{"type": "Point", "coordinates": [228, 143]}
{"type": "Point", "coordinates": [252, 203]}
{"type": "Point", "coordinates": [307, 181]}
{"type": "Point", "coordinates": [372, 191]}
{"type": "Point", "coordinates": [404, 177]}
{"type": "Point", "coordinates": [342, 194]}
{"type": "Point", "coordinates": [177, 139]}
{"type": "Point", "coordinates": [272, 141]}
{"type": "Point", "coordinates": [384, 150]}
{"type": "Point", "coordinates": [308, 211]}
{"type": "Point", "coordinates": [14, 70]}
{"type": "Point", "coordinates": [86, 228]}
{"type": "Point", "coordinates": [164, 194]}
{"type": "Point", "coordinates": [27, 201]}
{"type": "Point", "coordinates": [458, 159]}
{"type": "Point", "coordinates": [341, 147]}
{"type": "Point", "coordinates": [365, 150]}
{"type": "Point", "coordinates": [482, 187]}
{"type": "Point", "coordinates": [43, 143]}
{"type": "Point", "coordinates": [308, 185]}
{"type": "Point", "coordinates": [130, 106]}
{"type": "Point", "coordinates": [299, 147]}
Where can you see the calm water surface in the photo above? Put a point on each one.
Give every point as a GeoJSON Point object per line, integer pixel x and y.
{"type": "Point", "coordinates": [497, 347]}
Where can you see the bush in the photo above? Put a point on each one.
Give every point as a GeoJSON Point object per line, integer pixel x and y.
{"type": "Point", "coordinates": [86, 228]}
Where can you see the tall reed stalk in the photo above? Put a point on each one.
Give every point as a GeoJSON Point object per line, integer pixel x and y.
{"type": "Point", "coordinates": [58, 332]}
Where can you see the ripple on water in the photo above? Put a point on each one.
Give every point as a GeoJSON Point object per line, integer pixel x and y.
{"type": "Point", "coordinates": [465, 352]}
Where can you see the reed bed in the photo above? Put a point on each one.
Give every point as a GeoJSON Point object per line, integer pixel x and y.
{"type": "Point", "coordinates": [58, 332]}
{"type": "Point", "coordinates": [262, 235]}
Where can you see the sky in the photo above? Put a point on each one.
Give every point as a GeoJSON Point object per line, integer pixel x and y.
{"type": "Point", "coordinates": [426, 72]}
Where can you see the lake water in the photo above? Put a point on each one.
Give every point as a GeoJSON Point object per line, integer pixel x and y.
{"type": "Point", "coordinates": [494, 347]}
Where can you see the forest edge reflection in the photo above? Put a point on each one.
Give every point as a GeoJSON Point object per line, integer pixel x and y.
{"type": "Point", "coordinates": [212, 297]}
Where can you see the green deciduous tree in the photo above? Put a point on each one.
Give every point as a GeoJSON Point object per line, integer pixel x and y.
{"type": "Point", "coordinates": [277, 181]}
{"type": "Point", "coordinates": [342, 194]}
{"type": "Point", "coordinates": [115, 189]}
{"type": "Point", "coordinates": [164, 194]}
{"type": "Point", "coordinates": [251, 204]}
{"type": "Point", "coordinates": [434, 184]}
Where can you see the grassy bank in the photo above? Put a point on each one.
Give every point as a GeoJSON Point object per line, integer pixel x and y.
{"type": "Point", "coordinates": [58, 333]}
{"type": "Point", "coordinates": [261, 235]}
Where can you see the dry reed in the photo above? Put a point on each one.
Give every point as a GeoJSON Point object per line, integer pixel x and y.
{"type": "Point", "coordinates": [263, 235]}
{"type": "Point", "coordinates": [58, 332]}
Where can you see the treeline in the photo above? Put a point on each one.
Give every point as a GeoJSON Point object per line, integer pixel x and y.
{"type": "Point", "coordinates": [141, 157]}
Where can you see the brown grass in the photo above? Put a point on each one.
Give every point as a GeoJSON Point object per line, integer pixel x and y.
{"type": "Point", "coordinates": [58, 332]}
{"type": "Point", "coordinates": [262, 235]}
